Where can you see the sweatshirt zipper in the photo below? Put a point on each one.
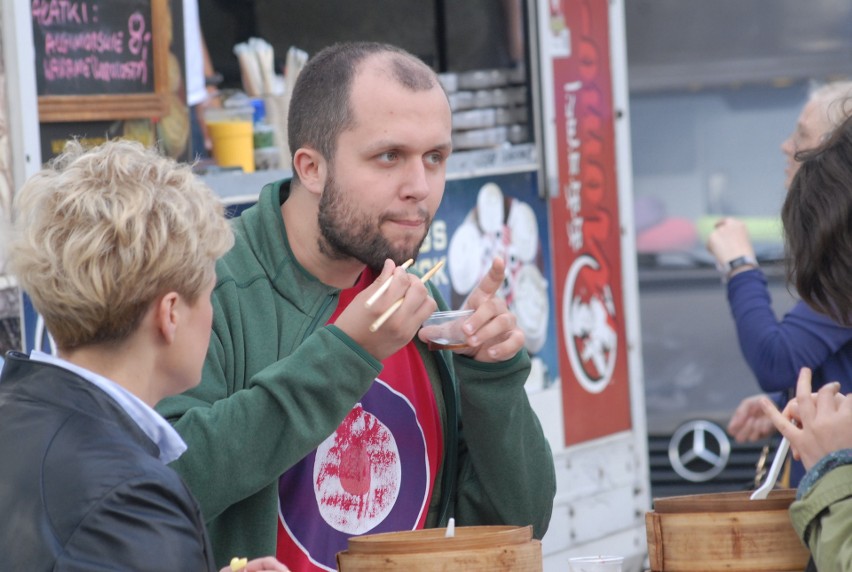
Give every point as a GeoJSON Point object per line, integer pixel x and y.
{"type": "Point", "coordinates": [451, 440]}
{"type": "Point", "coordinates": [315, 322]}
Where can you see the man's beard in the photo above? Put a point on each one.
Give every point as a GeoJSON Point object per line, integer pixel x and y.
{"type": "Point", "coordinates": [345, 233]}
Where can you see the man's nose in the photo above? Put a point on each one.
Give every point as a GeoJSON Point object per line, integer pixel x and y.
{"type": "Point", "coordinates": [417, 180]}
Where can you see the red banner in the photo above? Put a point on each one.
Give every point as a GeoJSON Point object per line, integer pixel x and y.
{"type": "Point", "coordinates": [586, 229]}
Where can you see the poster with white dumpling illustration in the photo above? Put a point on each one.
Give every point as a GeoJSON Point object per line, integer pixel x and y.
{"type": "Point", "coordinates": [500, 215]}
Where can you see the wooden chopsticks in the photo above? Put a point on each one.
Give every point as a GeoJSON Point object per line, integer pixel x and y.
{"type": "Point", "coordinates": [384, 287]}
{"type": "Point", "coordinates": [395, 306]}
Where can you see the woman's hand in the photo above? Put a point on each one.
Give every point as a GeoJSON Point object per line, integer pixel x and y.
{"type": "Point", "coordinates": [730, 240]}
{"type": "Point", "coordinates": [816, 424]}
{"type": "Point", "coordinates": [749, 421]}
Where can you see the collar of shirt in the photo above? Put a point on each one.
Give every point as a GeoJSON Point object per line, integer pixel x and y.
{"type": "Point", "coordinates": [152, 424]}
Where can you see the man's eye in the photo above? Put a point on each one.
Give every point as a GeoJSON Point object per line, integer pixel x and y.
{"type": "Point", "coordinates": [389, 156]}
{"type": "Point", "coordinates": [434, 158]}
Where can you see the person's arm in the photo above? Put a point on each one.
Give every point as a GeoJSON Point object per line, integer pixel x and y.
{"type": "Point", "coordinates": [823, 516]}
{"type": "Point", "coordinates": [513, 9]}
{"type": "Point", "coordinates": [272, 390]}
{"type": "Point", "coordinates": [506, 472]}
{"type": "Point", "coordinates": [242, 435]}
{"type": "Point", "coordinates": [775, 351]}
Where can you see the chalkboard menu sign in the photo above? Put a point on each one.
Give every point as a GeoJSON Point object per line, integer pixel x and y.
{"type": "Point", "coordinates": [100, 59]}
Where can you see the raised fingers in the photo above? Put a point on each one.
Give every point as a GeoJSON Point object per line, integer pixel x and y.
{"type": "Point", "coordinates": [490, 283]}
{"type": "Point", "coordinates": [804, 398]}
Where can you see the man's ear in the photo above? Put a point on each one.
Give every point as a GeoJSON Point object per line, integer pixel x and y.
{"type": "Point", "coordinates": [311, 168]}
{"type": "Point", "coordinates": [165, 316]}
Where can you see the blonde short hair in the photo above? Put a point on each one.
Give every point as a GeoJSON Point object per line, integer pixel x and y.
{"type": "Point", "coordinates": [99, 234]}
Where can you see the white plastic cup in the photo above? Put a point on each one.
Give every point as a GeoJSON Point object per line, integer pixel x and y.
{"type": "Point", "coordinates": [596, 563]}
{"type": "Point", "coordinates": [443, 329]}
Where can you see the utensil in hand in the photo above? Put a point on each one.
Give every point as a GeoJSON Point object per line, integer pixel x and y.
{"type": "Point", "coordinates": [395, 306]}
{"type": "Point", "coordinates": [384, 287]}
{"type": "Point", "coordinates": [451, 528]}
{"type": "Point", "coordinates": [772, 475]}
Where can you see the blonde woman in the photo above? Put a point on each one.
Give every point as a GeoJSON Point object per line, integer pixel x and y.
{"type": "Point", "coordinates": [116, 247]}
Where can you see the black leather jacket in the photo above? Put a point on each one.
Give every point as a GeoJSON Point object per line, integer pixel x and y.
{"type": "Point", "coordinates": [81, 487]}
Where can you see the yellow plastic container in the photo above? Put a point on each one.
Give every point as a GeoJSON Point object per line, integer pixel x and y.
{"type": "Point", "coordinates": [232, 134]}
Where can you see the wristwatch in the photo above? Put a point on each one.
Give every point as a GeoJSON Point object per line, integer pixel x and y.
{"type": "Point", "coordinates": [739, 262]}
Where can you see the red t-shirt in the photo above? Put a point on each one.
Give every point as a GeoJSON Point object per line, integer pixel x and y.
{"type": "Point", "coordinates": [374, 474]}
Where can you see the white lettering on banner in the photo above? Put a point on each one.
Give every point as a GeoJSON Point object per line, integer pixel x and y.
{"type": "Point", "coordinates": [436, 238]}
{"type": "Point", "coordinates": [572, 198]}
{"type": "Point", "coordinates": [575, 233]}
{"type": "Point", "coordinates": [574, 186]}
{"type": "Point", "coordinates": [423, 265]}
{"type": "Point", "coordinates": [436, 244]}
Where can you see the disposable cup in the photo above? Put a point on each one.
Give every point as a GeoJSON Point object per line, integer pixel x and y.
{"type": "Point", "coordinates": [443, 330]}
{"type": "Point", "coordinates": [596, 564]}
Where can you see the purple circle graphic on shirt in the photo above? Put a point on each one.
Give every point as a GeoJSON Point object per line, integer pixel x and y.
{"type": "Point", "coordinates": [371, 475]}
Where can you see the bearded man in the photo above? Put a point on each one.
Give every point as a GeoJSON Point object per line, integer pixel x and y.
{"type": "Point", "coordinates": [309, 426]}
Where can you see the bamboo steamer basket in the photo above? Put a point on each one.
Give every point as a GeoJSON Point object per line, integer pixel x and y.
{"type": "Point", "coordinates": [473, 548]}
{"type": "Point", "coordinates": [724, 531]}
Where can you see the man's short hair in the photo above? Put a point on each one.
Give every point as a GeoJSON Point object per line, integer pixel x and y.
{"type": "Point", "coordinates": [320, 107]}
{"type": "Point", "coordinates": [99, 234]}
{"type": "Point", "coordinates": [817, 220]}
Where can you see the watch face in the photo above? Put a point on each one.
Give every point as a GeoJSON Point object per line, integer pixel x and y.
{"type": "Point", "coordinates": [740, 261]}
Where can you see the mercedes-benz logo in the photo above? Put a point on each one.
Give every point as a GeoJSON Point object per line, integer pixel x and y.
{"type": "Point", "coordinates": [699, 450]}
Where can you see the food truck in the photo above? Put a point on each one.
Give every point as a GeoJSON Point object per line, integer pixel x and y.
{"type": "Point", "coordinates": [541, 175]}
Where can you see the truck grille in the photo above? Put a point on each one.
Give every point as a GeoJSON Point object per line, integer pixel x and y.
{"type": "Point", "coordinates": [737, 474]}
